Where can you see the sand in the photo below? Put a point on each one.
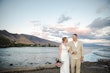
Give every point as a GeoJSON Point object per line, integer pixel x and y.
{"type": "Point", "coordinates": [86, 67]}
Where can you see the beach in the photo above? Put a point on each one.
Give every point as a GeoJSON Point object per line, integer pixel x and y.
{"type": "Point", "coordinates": [101, 66]}
{"type": "Point", "coordinates": [42, 60]}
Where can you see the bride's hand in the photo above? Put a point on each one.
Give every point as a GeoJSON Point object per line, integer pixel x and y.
{"type": "Point", "coordinates": [68, 48]}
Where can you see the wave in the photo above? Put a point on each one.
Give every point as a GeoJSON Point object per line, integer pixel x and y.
{"type": "Point", "coordinates": [102, 53]}
{"type": "Point", "coordinates": [103, 49]}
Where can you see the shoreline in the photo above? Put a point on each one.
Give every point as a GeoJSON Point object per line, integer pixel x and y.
{"type": "Point", "coordinates": [86, 67]}
{"type": "Point", "coordinates": [46, 66]}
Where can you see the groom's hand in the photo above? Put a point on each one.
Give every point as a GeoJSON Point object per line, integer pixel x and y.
{"type": "Point", "coordinates": [82, 58]}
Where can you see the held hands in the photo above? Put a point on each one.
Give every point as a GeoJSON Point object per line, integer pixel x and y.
{"type": "Point", "coordinates": [74, 52]}
{"type": "Point", "coordinates": [68, 49]}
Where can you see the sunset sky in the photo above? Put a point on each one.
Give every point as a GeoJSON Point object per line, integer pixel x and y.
{"type": "Point", "coordinates": [53, 19]}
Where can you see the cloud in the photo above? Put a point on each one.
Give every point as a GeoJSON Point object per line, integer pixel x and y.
{"type": "Point", "coordinates": [103, 33]}
{"type": "Point", "coordinates": [78, 30]}
{"type": "Point", "coordinates": [100, 28]}
{"type": "Point", "coordinates": [93, 33]}
{"type": "Point", "coordinates": [63, 18]}
{"type": "Point", "coordinates": [102, 9]}
{"type": "Point", "coordinates": [100, 23]}
{"type": "Point", "coordinates": [37, 22]}
{"type": "Point", "coordinates": [56, 32]}
{"type": "Point", "coordinates": [69, 30]}
{"type": "Point", "coordinates": [77, 24]}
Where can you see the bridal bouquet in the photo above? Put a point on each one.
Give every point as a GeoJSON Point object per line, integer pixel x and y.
{"type": "Point", "coordinates": [59, 63]}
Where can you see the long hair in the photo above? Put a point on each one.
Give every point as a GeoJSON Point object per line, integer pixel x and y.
{"type": "Point", "coordinates": [63, 39]}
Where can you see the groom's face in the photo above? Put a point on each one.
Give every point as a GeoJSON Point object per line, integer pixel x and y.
{"type": "Point", "coordinates": [74, 37]}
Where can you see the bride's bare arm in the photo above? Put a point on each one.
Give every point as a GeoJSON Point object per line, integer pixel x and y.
{"type": "Point", "coordinates": [60, 50]}
{"type": "Point", "coordinates": [70, 49]}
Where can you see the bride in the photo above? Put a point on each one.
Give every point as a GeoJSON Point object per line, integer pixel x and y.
{"type": "Point", "coordinates": [64, 56]}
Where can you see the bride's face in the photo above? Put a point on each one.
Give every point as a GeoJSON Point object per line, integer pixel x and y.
{"type": "Point", "coordinates": [66, 40]}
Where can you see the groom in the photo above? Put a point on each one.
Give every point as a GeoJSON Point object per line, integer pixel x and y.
{"type": "Point", "coordinates": [76, 51]}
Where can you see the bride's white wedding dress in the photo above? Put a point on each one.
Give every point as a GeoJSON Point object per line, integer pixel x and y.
{"type": "Point", "coordinates": [65, 58]}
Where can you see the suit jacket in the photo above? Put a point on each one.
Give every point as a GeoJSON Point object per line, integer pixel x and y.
{"type": "Point", "coordinates": [79, 49]}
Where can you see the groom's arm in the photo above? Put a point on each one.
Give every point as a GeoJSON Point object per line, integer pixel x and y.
{"type": "Point", "coordinates": [82, 52]}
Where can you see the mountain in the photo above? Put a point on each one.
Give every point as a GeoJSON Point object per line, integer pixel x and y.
{"type": "Point", "coordinates": [25, 39]}
{"type": "Point", "coordinates": [38, 40]}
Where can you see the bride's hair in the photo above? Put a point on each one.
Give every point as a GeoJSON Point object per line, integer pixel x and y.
{"type": "Point", "coordinates": [64, 38]}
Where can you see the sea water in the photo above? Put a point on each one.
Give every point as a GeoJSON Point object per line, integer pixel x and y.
{"type": "Point", "coordinates": [17, 57]}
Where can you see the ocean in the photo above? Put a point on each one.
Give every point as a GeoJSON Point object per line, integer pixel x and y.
{"type": "Point", "coordinates": [17, 57]}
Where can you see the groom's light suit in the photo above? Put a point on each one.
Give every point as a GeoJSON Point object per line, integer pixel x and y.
{"type": "Point", "coordinates": [76, 59]}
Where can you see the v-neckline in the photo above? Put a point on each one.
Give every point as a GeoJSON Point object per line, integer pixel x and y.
{"type": "Point", "coordinates": [74, 44]}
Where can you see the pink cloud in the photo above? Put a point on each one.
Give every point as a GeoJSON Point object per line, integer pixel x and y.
{"type": "Point", "coordinates": [82, 31]}
{"type": "Point", "coordinates": [73, 29]}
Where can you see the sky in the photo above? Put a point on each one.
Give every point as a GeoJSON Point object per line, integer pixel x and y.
{"type": "Point", "coordinates": [54, 19]}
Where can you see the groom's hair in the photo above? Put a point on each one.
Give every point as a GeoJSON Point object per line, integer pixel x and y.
{"type": "Point", "coordinates": [75, 35]}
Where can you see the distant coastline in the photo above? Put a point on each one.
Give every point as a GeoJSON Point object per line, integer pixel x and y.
{"type": "Point", "coordinates": [23, 40]}
{"type": "Point", "coordinates": [5, 42]}
{"type": "Point", "coordinates": [8, 39]}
